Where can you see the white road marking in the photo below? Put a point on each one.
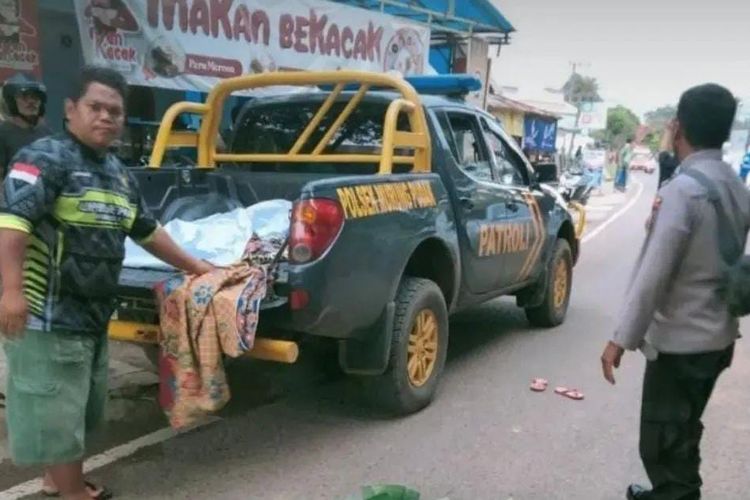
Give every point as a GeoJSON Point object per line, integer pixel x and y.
{"type": "Point", "coordinates": [597, 216]}
{"type": "Point", "coordinates": [124, 450]}
{"type": "Point", "coordinates": [97, 461]}
{"type": "Point", "coordinates": [599, 208]}
{"type": "Point", "coordinates": [616, 215]}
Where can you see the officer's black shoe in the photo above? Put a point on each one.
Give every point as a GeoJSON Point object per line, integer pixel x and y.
{"type": "Point", "coordinates": [637, 492]}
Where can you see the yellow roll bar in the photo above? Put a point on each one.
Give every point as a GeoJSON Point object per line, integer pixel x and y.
{"type": "Point", "coordinates": [166, 137]}
{"type": "Point", "coordinates": [417, 140]}
{"type": "Point", "coordinates": [281, 351]}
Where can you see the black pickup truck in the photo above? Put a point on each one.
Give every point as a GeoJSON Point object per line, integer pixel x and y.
{"type": "Point", "coordinates": [379, 261]}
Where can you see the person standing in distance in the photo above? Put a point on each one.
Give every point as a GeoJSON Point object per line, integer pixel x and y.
{"type": "Point", "coordinates": [674, 309]}
{"type": "Point", "coordinates": [667, 161]}
{"type": "Point", "coordinates": [624, 157]}
{"type": "Point", "coordinates": [745, 167]}
{"type": "Point", "coordinates": [25, 99]}
{"type": "Point", "coordinates": [68, 206]}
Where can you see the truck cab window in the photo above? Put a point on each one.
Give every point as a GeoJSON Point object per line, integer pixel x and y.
{"type": "Point", "coordinates": [274, 127]}
{"type": "Point", "coordinates": [509, 167]}
{"type": "Point", "coordinates": [464, 138]}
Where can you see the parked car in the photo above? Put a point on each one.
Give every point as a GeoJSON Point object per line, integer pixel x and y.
{"type": "Point", "coordinates": [416, 207]}
{"type": "Point", "coordinates": [644, 160]}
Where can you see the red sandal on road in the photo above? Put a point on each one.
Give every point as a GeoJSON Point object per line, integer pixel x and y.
{"type": "Point", "coordinates": [538, 385]}
{"type": "Point", "coordinates": [573, 394]}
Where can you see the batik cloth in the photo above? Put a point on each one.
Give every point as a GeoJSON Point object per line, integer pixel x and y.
{"type": "Point", "coordinates": [202, 319]}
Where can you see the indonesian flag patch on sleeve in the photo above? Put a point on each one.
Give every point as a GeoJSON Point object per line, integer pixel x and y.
{"type": "Point", "coordinates": [24, 172]}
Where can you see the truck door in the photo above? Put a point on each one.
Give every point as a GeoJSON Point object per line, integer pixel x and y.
{"type": "Point", "coordinates": [480, 200]}
{"type": "Point", "coordinates": [524, 222]}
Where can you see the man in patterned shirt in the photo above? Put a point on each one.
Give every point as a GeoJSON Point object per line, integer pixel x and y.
{"type": "Point", "coordinates": [67, 208]}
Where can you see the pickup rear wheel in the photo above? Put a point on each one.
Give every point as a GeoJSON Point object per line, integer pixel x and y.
{"type": "Point", "coordinates": [559, 278]}
{"type": "Point", "coordinates": [418, 348]}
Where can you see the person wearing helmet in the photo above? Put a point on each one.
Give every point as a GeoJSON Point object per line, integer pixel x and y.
{"type": "Point", "coordinates": [25, 99]}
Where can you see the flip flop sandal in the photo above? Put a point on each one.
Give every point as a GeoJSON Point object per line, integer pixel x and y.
{"type": "Point", "coordinates": [573, 394]}
{"type": "Point", "coordinates": [104, 494]}
{"type": "Point", "coordinates": [538, 385]}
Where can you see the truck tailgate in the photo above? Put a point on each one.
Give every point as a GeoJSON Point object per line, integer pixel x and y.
{"type": "Point", "coordinates": [136, 300]}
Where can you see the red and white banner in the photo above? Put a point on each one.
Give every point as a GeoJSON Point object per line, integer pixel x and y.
{"type": "Point", "coordinates": [189, 44]}
{"type": "Point", "coordinates": [19, 38]}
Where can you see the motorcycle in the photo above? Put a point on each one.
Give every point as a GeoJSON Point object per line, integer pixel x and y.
{"type": "Point", "coordinates": [576, 184]}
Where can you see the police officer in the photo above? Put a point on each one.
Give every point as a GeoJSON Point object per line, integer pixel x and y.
{"type": "Point", "coordinates": [674, 311]}
{"type": "Point", "coordinates": [25, 99]}
{"type": "Point", "coordinates": [69, 204]}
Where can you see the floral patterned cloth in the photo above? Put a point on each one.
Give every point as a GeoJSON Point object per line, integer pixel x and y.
{"type": "Point", "coordinates": [203, 318]}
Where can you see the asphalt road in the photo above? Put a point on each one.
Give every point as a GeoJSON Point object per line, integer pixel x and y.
{"type": "Point", "coordinates": [295, 433]}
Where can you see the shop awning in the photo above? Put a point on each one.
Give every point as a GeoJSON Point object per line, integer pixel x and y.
{"type": "Point", "coordinates": [463, 17]}
{"type": "Point", "coordinates": [497, 102]}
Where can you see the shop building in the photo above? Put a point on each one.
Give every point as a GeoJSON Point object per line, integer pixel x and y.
{"type": "Point", "coordinates": [450, 36]}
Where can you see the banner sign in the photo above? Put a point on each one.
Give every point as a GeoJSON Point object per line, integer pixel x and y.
{"type": "Point", "coordinates": [19, 38]}
{"type": "Point", "coordinates": [477, 66]}
{"type": "Point", "coordinates": [540, 134]}
{"type": "Point", "coordinates": [593, 116]}
{"type": "Point", "coordinates": [189, 44]}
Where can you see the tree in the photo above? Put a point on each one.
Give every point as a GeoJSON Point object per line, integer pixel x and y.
{"type": "Point", "coordinates": [657, 119]}
{"type": "Point", "coordinates": [580, 89]}
{"type": "Point", "coordinates": [577, 90]}
{"type": "Point", "coordinates": [622, 124]}
{"type": "Point", "coordinates": [653, 140]}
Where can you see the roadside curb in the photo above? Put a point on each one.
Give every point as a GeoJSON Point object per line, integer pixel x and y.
{"type": "Point", "coordinates": [631, 197]}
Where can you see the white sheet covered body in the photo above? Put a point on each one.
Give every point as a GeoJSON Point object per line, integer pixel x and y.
{"type": "Point", "coordinates": [220, 238]}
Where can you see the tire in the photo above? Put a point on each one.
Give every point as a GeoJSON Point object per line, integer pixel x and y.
{"type": "Point", "coordinates": [554, 308]}
{"type": "Point", "coordinates": [398, 391]}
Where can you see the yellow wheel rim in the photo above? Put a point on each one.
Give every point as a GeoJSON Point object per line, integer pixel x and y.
{"type": "Point", "coordinates": [423, 346]}
{"type": "Point", "coordinates": [561, 284]}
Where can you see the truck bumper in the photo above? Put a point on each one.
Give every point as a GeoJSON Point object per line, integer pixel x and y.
{"type": "Point", "coordinates": [281, 351]}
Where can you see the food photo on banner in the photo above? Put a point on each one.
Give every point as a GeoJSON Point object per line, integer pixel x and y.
{"type": "Point", "coordinates": [189, 45]}
{"type": "Point", "coordinates": [19, 38]}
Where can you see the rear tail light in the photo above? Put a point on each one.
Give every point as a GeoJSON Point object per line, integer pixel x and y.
{"type": "Point", "coordinates": [298, 299]}
{"type": "Point", "coordinates": [315, 225]}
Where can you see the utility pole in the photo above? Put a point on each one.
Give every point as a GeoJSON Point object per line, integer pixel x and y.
{"type": "Point", "coordinates": [574, 70]}
{"type": "Point", "coordinates": [574, 65]}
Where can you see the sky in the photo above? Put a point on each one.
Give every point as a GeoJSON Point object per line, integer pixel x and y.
{"type": "Point", "coordinates": [644, 53]}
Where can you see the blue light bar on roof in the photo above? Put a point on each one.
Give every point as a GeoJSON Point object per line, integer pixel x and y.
{"type": "Point", "coordinates": [448, 85]}
{"type": "Point", "coordinates": [445, 84]}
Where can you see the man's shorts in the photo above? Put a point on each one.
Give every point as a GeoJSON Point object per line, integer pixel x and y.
{"type": "Point", "coordinates": [57, 389]}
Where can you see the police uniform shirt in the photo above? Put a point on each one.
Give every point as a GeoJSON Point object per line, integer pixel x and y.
{"type": "Point", "coordinates": [674, 300]}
